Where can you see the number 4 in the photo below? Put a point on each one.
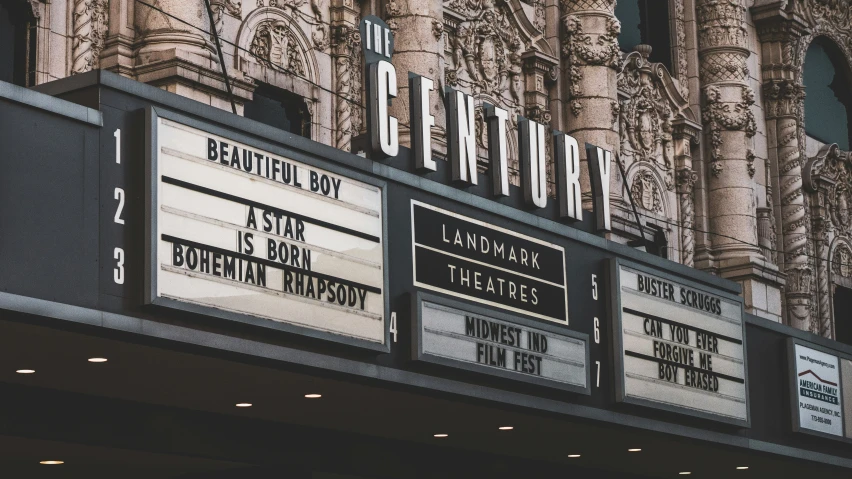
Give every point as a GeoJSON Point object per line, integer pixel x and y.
{"type": "Point", "coordinates": [393, 325]}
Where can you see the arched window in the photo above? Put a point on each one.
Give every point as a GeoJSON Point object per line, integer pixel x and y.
{"type": "Point", "coordinates": [827, 94]}
{"type": "Point", "coordinates": [646, 22]}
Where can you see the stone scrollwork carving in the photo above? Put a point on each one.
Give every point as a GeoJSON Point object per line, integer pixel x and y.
{"type": "Point", "coordinates": [90, 26]}
{"type": "Point", "coordinates": [347, 47]}
{"type": "Point", "coordinates": [487, 47]}
{"type": "Point", "coordinates": [646, 192]}
{"type": "Point", "coordinates": [275, 44]}
{"type": "Point", "coordinates": [581, 48]}
{"type": "Point", "coordinates": [719, 116]}
{"type": "Point", "coordinates": [841, 264]}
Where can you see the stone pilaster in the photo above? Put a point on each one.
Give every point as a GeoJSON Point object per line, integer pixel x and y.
{"type": "Point", "coordinates": [346, 59]}
{"type": "Point", "coordinates": [90, 18]}
{"type": "Point", "coordinates": [684, 136]}
{"type": "Point", "coordinates": [180, 56]}
{"type": "Point", "coordinates": [418, 27]}
{"type": "Point", "coordinates": [783, 95]}
{"type": "Point", "coordinates": [730, 126]}
{"type": "Point", "coordinates": [591, 60]}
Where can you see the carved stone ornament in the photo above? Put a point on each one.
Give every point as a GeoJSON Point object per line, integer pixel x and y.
{"type": "Point", "coordinates": [90, 27]}
{"type": "Point", "coordinates": [581, 48]}
{"type": "Point", "coordinates": [274, 44]}
{"type": "Point", "coordinates": [646, 192]}
{"type": "Point", "coordinates": [486, 48]}
{"type": "Point", "coordinates": [649, 105]}
{"type": "Point", "coordinates": [719, 116]}
{"type": "Point", "coordinates": [830, 172]}
{"type": "Point", "coordinates": [841, 264]}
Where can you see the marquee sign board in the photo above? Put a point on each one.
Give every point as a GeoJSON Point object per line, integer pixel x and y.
{"type": "Point", "coordinates": [817, 390]}
{"type": "Point", "coordinates": [242, 233]}
{"type": "Point", "coordinates": [678, 345]}
{"type": "Point", "coordinates": [465, 336]}
{"type": "Point", "coordinates": [470, 259]}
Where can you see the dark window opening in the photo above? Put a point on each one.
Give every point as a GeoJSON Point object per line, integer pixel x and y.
{"type": "Point", "coordinates": [645, 22]}
{"type": "Point", "coordinates": [827, 94]}
{"type": "Point", "coordinates": [659, 246]}
{"type": "Point", "coordinates": [18, 29]}
{"type": "Point", "coordinates": [843, 314]}
{"type": "Point", "coordinates": [279, 108]}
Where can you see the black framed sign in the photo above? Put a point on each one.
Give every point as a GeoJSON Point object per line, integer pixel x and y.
{"type": "Point", "coordinates": [470, 259]}
{"type": "Point", "coordinates": [677, 345]}
{"type": "Point", "coordinates": [462, 335]}
{"type": "Point", "coordinates": [241, 232]}
{"type": "Point", "coordinates": [819, 390]}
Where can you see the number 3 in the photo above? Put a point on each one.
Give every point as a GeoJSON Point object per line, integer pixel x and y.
{"type": "Point", "coordinates": [118, 272]}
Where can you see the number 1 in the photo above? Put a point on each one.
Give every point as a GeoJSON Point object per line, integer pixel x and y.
{"type": "Point", "coordinates": [117, 136]}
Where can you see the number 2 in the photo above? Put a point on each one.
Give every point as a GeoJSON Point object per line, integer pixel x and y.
{"type": "Point", "coordinates": [119, 195]}
{"type": "Point", "coordinates": [118, 272]}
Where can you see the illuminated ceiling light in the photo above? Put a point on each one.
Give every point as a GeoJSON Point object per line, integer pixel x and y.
{"type": "Point", "coordinates": [634, 450]}
{"type": "Point", "coordinates": [25, 371]}
{"type": "Point", "coordinates": [313, 396]}
{"type": "Point", "coordinates": [51, 463]}
{"type": "Point", "coordinates": [742, 468]}
{"type": "Point", "coordinates": [506, 428]}
{"type": "Point", "coordinates": [243, 404]}
{"type": "Point", "coordinates": [97, 360]}
{"type": "Point", "coordinates": [441, 435]}
{"type": "Point", "coordinates": [684, 473]}
{"type": "Point", "coordinates": [573, 455]}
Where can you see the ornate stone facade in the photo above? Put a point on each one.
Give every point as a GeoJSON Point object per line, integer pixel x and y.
{"type": "Point", "coordinates": [713, 149]}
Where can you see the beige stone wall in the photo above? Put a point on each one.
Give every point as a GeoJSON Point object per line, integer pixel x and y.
{"type": "Point", "coordinates": [714, 150]}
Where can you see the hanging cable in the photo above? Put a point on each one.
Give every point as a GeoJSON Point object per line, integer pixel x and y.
{"type": "Point", "coordinates": [221, 58]}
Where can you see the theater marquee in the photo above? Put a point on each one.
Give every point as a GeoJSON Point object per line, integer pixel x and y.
{"type": "Point", "coordinates": [469, 259]}
{"type": "Point", "coordinates": [677, 345]}
{"type": "Point", "coordinates": [247, 234]}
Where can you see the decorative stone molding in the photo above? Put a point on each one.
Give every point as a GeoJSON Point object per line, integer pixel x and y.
{"type": "Point", "coordinates": [347, 62]}
{"type": "Point", "coordinates": [582, 49]}
{"type": "Point", "coordinates": [719, 116]}
{"type": "Point", "coordinates": [679, 49]}
{"type": "Point", "coordinates": [90, 19]}
{"type": "Point", "coordinates": [686, 179]}
{"type": "Point", "coordinates": [646, 192]}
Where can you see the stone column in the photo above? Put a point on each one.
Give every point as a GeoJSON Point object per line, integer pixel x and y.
{"type": "Point", "coordinates": [730, 125]}
{"type": "Point", "coordinates": [90, 18]}
{"type": "Point", "coordinates": [684, 135]}
{"type": "Point", "coordinates": [591, 60]}
{"type": "Point", "coordinates": [418, 26]}
{"type": "Point", "coordinates": [347, 59]}
{"type": "Point", "coordinates": [783, 96]}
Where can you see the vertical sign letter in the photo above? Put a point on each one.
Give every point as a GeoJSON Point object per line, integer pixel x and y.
{"type": "Point", "coordinates": [568, 176]}
{"type": "Point", "coordinates": [384, 132]}
{"type": "Point", "coordinates": [533, 162]}
{"type": "Point", "coordinates": [421, 122]}
{"type": "Point", "coordinates": [462, 131]}
{"type": "Point", "coordinates": [498, 164]}
{"type": "Point", "coordinates": [599, 161]}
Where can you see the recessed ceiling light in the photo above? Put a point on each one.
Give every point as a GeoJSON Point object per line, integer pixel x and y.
{"type": "Point", "coordinates": [506, 428]}
{"type": "Point", "coordinates": [634, 450]}
{"type": "Point", "coordinates": [441, 435]}
{"type": "Point", "coordinates": [25, 371]}
{"type": "Point", "coordinates": [573, 455]}
{"type": "Point", "coordinates": [684, 473]}
{"type": "Point", "coordinates": [742, 468]}
{"type": "Point", "coordinates": [313, 396]}
{"type": "Point", "coordinates": [243, 404]}
{"type": "Point", "coordinates": [51, 463]}
{"type": "Point", "coordinates": [97, 360]}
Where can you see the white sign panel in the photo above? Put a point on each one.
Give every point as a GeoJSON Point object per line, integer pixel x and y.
{"type": "Point", "coordinates": [818, 391]}
{"type": "Point", "coordinates": [681, 347]}
{"type": "Point", "coordinates": [249, 233]}
{"type": "Point", "coordinates": [503, 348]}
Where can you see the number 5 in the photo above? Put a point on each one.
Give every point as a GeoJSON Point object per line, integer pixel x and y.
{"type": "Point", "coordinates": [595, 287]}
{"type": "Point", "coordinates": [118, 272]}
